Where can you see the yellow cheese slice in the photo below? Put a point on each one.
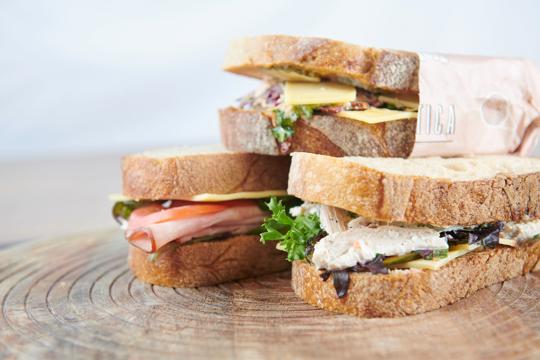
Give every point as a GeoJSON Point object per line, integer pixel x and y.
{"type": "Point", "coordinates": [303, 93]}
{"type": "Point", "coordinates": [238, 195]}
{"type": "Point", "coordinates": [119, 197]}
{"type": "Point", "coordinates": [376, 115]}
{"type": "Point", "coordinates": [217, 197]}
{"type": "Point", "coordinates": [399, 102]}
{"type": "Point", "coordinates": [436, 264]}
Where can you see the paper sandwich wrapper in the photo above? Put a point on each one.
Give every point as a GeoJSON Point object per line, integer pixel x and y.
{"type": "Point", "coordinates": [477, 105]}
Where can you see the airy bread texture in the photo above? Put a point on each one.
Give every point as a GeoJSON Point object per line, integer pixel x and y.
{"type": "Point", "coordinates": [458, 191]}
{"type": "Point", "coordinates": [250, 131]}
{"type": "Point", "coordinates": [184, 172]}
{"type": "Point", "coordinates": [407, 292]}
{"type": "Point", "coordinates": [280, 56]}
{"type": "Point", "coordinates": [454, 169]}
{"type": "Point", "coordinates": [207, 263]}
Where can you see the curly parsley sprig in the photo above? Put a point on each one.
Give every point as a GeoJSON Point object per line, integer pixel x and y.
{"type": "Point", "coordinates": [285, 120]}
{"type": "Point", "coordinates": [292, 234]}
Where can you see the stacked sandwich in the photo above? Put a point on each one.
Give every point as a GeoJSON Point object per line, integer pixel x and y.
{"type": "Point", "coordinates": [378, 234]}
{"type": "Point", "coordinates": [192, 216]}
{"type": "Point", "coordinates": [323, 97]}
{"type": "Point", "coordinates": [374, 234]}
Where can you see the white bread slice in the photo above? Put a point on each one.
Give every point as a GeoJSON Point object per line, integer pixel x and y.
{"type": "Point", "coordinates": [180, 173]}
{"type": "Point", "coordinates": [251, 131]}
{"type": "Point", "coordinates": [274, 56]}
{"type": "Point", "coordinates": [407, 292]}
{"type": "Point", "coordinates": [436, 191]}
{"type": "Point", "coordinates": [207, 263]}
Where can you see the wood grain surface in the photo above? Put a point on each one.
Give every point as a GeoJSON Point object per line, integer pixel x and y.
{"type": "Point", "coordinates": [74, 297]}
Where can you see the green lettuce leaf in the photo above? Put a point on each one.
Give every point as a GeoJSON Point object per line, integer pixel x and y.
{"type": "Point", "coordinates": [122, 210]}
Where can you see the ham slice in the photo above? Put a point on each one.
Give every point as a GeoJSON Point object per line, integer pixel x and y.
{"type": "Point", "coordinates": [234, 220]}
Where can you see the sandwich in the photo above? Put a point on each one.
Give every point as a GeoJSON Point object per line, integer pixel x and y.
{"type": "Point", "coordinates": [192, 217]}
{"type": "Point", "coordinates": [322, 96]}
{"type": "Point", "coordinates": [388, 237]}
{"type": "Point", "coordinates": [333, 98]}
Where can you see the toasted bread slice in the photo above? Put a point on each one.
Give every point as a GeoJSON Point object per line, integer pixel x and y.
{"type": "Point", "coordinates": [181, 173]}
{"type": "Point", "coordinates": [300, 58]}
{"type": "Point", "coordinates": [436, 191]}
{"type": "Point", "coordinates": [207, 263]}
{"type": "Point", "coordinates": [251, 131]}
{"type": "Point", "coordinates": [407, 292]}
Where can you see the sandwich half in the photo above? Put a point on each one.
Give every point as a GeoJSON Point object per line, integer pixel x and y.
{"type": "Point", "coordinates": [192, 217]}
{"type": "Point", "coordinates": [322, 96]}
{"type": "Point", "coordinates": [387, 237]}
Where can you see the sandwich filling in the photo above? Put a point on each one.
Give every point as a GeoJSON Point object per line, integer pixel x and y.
{"type": "Point", "coordinates": [150, 225]}
{"type": "Point", "coordinates": [290, 101]}
{"type": "Point", "coordinates": [338, 242]}
{"type": "Point", "coordinates": [362, 244]}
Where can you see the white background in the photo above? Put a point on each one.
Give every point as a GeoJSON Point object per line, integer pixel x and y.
{"type": "Point", "coordinates": [80, 77]}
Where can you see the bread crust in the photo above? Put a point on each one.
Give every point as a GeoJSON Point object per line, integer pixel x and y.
{"type": "Point", "coordinates": [251, 131]}
{"type": "Point", "coordinates": [413, 199]}
{"type": "Point", "coordinates": [207, 263]}
{"type": "Point", "coordinates": [181, 177]}
{"type": "Point", "coordinates": [407, 292]}
{"type": "Point", "coordinates": [369, 68]}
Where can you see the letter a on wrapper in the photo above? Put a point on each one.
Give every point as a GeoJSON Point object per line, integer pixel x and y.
{"type": "Point", "coordinates": [477, 105]}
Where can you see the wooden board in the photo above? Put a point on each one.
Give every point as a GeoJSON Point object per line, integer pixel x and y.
{"type": "Point", "coordinates": [75, 297]}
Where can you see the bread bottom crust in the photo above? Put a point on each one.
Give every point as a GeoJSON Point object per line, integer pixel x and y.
{"type": "Point", "coordinates": [411, 291]}
{"type": "Point", "coordinates": [207, 263]}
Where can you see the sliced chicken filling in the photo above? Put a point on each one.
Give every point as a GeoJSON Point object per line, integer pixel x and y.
{"type": "Point", "coordinates": [356, 240]}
